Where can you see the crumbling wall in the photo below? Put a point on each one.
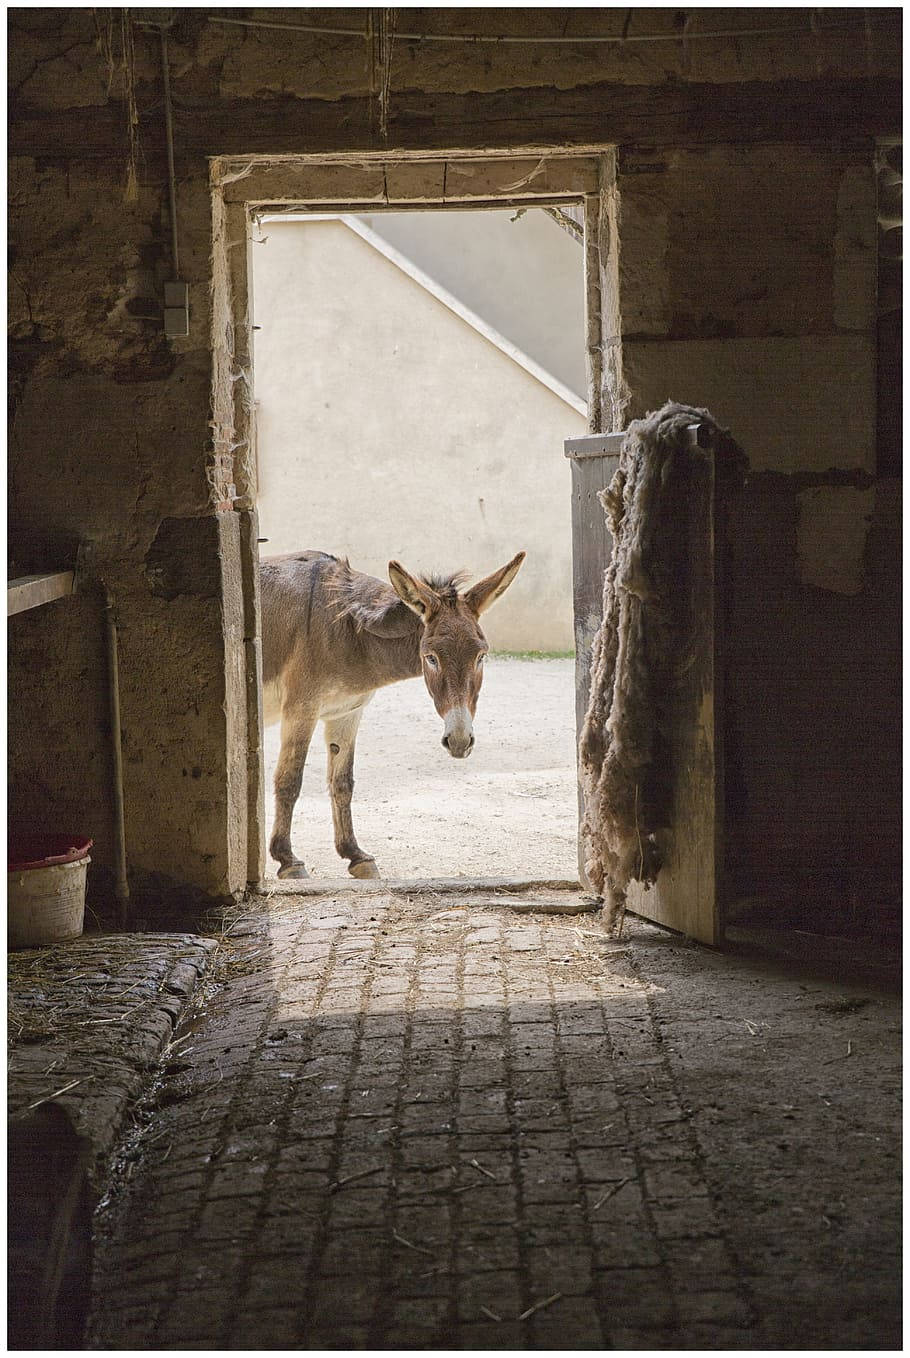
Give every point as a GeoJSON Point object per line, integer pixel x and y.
{"type": "Point", "coordinates": [110, 435]}
{"type": "Point", "coordinates": [108, 447]}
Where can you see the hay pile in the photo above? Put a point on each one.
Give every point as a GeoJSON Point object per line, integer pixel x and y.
{"type": "Point", "coordinates": [659, 506]}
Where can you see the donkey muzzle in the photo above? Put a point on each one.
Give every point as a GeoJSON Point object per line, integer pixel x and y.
{"type": "Point", "coordinates": [458, 737]}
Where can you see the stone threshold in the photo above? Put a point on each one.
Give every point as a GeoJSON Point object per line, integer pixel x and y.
{"type": "Point", "coordinates": [549, 896]}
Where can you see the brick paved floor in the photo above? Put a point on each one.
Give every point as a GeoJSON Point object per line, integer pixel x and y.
{"type": "Point", "coordinates": [435, 1124]}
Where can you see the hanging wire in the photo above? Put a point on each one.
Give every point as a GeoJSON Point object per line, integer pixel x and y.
{"type": "Point", "coordinates": [372, 61]}
{"type": "Point", "coordinates": [685, 34]}
{"type": "Point", "coordinates": [617, 38]}
{"type": "Point", "coordinates": [380, 36]}
{"type": "Point", "coordinates": [816, 27]}
{"type": "Point", "coordinates": [870, 45]}
{"type": "Point", "coordinates": [104, 40]}
{"type": "Point", "coordinates": [169, 136]}
{"type": "Point", "coordinates": [131, 192]}
{"type": "Point", "coordinates": [386, 47]}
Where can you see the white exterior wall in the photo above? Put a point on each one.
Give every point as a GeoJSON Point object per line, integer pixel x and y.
{"type": "Point", "coordinates": [488, 259]}
{"type": "Point", "coordinates": [389, 427]}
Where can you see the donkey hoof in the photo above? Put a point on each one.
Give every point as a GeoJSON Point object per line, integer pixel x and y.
{"type": "Point", "coordinates": [365, 868]}
{"type": "Point", "coordinates": [294, 871]}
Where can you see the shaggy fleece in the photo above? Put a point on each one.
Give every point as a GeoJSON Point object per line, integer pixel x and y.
{"type": "Point", "coordinates": [660, 509]}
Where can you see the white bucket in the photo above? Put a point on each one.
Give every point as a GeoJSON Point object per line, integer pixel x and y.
{"type": "Point", "coordinates": [47, 904]}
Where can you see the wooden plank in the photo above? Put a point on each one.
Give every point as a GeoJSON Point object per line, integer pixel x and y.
{"type": "Point", "coordinates": [591, 549]}
{"type": "Point", "coordinates": [244, 473]}
{"type": "Point", "coordinates": [252, 644]}
{"type": "Point", "coordinates": [268, 208]}
{"type": "Point", "coordinates": [416, 181]}
{"type": "Point", "coordinates": [472, 179]}
{"type": "Point", "coordinates": [596, 305]}
{"type": "Point", "coordinates": [686, 895]}
{"type": "Point", "coordinates": [536, 176]}
{"type": "Point", "coordinates": [594, 445]}
{"type": "Point", "coordinates": [30, 591]}
{"type": "Point", "coordinates": [295, 183]}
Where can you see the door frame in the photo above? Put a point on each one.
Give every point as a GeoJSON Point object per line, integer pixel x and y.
{"type": "Point", "coordinates": [250, 187]}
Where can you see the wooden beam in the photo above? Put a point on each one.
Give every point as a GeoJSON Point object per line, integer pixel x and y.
{"type": "Point", "coordinates": [471, 181]}
{"type": "Point", "coordinates": [610, 445]}
{"type": "Point", "coordinates": [593, 445]}
{"type": "Point", "coordinates": [533, 120]}
{"type": "Point", "coordinates": [29, 591]}
{"type": "Point", "coordinates": [592, 547]}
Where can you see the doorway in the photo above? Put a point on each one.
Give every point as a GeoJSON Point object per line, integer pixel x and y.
{"type": "Point", "coordinates": [412, 397]}
{"type": "Point", "coordinates": [247, 194]}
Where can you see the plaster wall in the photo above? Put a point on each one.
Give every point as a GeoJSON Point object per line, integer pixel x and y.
{"type": "Point", "coordinates": [110, 436]}
{"type": "Point", "coordinates": [387, 427]}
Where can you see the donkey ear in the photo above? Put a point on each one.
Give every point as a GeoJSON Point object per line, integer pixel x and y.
{"type": "Point", "coordinates": [417, 595]}
{"type": "Point", "coordinates": [487, 591]}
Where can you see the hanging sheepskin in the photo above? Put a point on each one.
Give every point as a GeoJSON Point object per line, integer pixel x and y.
{"type": "Point", "coordinates": [659, 506]}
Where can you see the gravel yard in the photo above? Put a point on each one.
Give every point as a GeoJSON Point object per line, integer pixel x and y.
{"type": "Point", "coordinates": [507, 811]}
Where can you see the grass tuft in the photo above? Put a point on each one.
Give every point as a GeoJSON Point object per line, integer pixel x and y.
{"type": "Point", "coordinates": [536, 655]}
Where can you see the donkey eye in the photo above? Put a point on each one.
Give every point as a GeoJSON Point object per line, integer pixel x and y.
{"type": "Point", "coordinates": [431, 661]}
{"type": "Point", "coordinates": [480, 659]}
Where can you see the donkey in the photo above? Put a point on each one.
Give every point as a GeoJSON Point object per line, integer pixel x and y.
{"type": "Point", "coordinates": [331, 636]}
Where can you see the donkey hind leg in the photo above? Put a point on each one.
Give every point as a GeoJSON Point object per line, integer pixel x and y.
{"type": "Point", "coordinates": [296, 731]}
{"type": "Point", "coordinates": [340, 737]}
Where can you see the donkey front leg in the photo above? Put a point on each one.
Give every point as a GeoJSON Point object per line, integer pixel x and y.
{"type": "Point", "coordinates": [296, 731]}
{"type": "Point", "coordinates": [340, 736]}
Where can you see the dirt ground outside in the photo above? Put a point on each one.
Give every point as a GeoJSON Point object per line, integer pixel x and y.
{"type": "Point", "coordinates": [509, 810]}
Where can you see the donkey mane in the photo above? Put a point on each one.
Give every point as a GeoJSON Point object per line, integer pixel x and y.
{"type": "Point", "coordinates": [446, 586]}
{"type": "Point", "coordinates": [366, 600]}
{"type": "Point", "coordinates": [362, 598]}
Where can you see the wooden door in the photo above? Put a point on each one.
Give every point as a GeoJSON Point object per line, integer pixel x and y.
{"type": "Point", "coordinates": [686, 895]}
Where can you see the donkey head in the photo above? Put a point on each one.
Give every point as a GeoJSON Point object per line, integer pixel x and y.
{"type": "Point", "coordinates": [452, 645]}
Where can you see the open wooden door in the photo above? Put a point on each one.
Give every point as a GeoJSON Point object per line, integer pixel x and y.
{"type": "Point", "coordinates": [686, 896]}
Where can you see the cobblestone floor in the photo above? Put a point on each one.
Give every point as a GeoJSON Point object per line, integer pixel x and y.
{"type": "Point", "coordinates": [421, 1123]}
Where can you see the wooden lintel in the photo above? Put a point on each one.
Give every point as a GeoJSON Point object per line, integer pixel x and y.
{"type": "Point", "coordinates": [29, 591]}
{"type": "Point", "coordinates": [468, 180]}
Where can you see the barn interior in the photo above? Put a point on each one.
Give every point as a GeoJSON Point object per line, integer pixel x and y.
{"type": "Point", "coordinates": [655, 1144]}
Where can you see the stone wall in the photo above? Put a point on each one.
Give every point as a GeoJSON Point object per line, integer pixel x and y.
{"type": "Point", "coordinates": [110, 436]}
{"type": "Point", "coordinates": [813, 705]}
{"type": "Point", "coordinates": [748, 275]}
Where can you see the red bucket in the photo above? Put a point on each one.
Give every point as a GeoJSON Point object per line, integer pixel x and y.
{"type": "Point", "coordinates": [41, 851]}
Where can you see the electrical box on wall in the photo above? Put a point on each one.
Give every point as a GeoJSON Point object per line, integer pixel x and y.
{"type": "Point", "coordinates": [176, 310]}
